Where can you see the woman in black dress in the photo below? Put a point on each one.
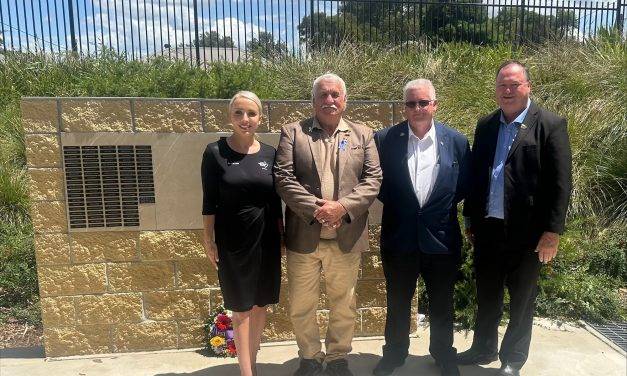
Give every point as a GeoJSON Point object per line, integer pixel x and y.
{"type": "Point", "coordinates": [241, 207]}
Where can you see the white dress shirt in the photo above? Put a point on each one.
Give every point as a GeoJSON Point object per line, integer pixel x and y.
{"type": "Point", "coordinates": [422, 162]}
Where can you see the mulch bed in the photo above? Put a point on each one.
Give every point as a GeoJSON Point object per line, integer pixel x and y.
{"type": "Point", "coordinates": [14, 334]}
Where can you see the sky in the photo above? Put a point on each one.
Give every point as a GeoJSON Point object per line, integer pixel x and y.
{"type": "Point", "coordinates": [141, 27]}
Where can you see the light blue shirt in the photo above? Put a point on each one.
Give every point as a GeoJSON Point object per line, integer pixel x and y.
{"type": "Point", "coordinates": [507, 134]}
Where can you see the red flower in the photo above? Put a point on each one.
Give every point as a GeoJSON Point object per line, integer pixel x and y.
{"type": "Point", "coordinates": [223, 319]}
{"type": "Point", "coordinates": [221, 327]}
{"type": "Point", "coordinates": [231, 349]}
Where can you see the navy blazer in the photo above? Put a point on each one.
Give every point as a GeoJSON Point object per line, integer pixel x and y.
{"type": "Point", "coordinates": [405, 225]}
{"type": "Point", "coordinates": [538, 176]}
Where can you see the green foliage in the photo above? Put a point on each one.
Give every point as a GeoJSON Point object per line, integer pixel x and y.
{"type": "Point", "coordinates": [19, 297]}
{"type": "Point", "coordinates": [264, 46]}
{"type": "Point", "coordinates": [393, 23]}
{"type": "Point", "coordinates": [587, 83]}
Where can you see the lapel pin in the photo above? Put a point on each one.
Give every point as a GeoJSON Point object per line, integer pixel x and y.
{"type": "Point", "coordinates": [523, 126]}
{"type": "Point", "coordinates": [402, 134]}
{"type": "Point", "coordinates": [342, 145]}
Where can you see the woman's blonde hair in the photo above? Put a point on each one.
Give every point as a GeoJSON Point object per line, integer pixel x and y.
{"type": "Point", "coordinates": [248, 95]}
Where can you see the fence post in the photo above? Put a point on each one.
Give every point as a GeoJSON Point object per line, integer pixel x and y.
{"type": "Point", "coordinates": [619, 17]}
{"type": "Point", "coordinates": [521, 32]}
{"type": "Point", "coordinates": [196, 33]}
{"type": "Point", "coordinates": [311, 23]}
{"type": "Point", "coordinates": [70, 7]}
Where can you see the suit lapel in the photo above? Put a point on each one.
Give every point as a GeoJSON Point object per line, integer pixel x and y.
{"type": "Point", "coordinates": [528, 123]}
{"type": "Point", "coordinates": [401, 139]}
{"type": "Point", "coordinates": [492, 136]}
{"type": "Point", "coordinates": [344, 152]}
{"type": "Point", "coordinates": [314, 135]}
{"type": "Point", "coordinates": [444, 160]}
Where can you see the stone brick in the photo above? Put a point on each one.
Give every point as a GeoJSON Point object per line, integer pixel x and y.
{"type": "Point", "coordinates": [46, 184]}
{"type": "Point", "coordinates": [191, 334]}
{"type": "Point", "coordinates": [52, 249]}
{"type": "Point", "coordinates": [104, 246]}
{"type": "Point", "coordinates": [179, 304]}
{"type": "Point", "coordinates": [216, 114]}
{"type": "Point", "coordinates": [278, 325]}
{"type": "Point", "coordinates": [140, 276]}
{"type": "Point", "coordinates": [373, 320]}
{"type": "Point", "coordinates": [196, 273]}
{"type": "Point", "coordinates": [167, 116]}
{"type": "Point", "coordinates": [215, 299]}
{"type": "Point", "coordinates": [96, 115]}
{"type": "Point", "coordinates": [148, 335]}
{"type": "Point", "coordinates": [42, 150]}
{"type": "Point", "coordinates": [398, 112]}
{"type": "Point", "coordinates": [109, 308]}
{"type": "Point", "coordinates": [372, 114]}
{"type": "Point", "coordinates": [371, 293]}
{"type": "Point", "coordinates": [169, 245]}
{"type": "Point", "coordinates": [282, 113]}
{"type": "Point", "coordinates": [72, 279]}
{"type": "Point", "coordinates": [371, 266]}
{"type": "Point", "coordinates": [49, 216]}
{"type": "Point", "coordinates": [39, 115]}
{"type": "Point", "coordinates": [77, 340]}
{"type": "Point", "coordinates": [58, 311]}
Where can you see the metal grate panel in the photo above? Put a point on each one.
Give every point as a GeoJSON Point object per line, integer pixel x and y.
{"type": "Point", "coordinates": [614, 331]}
{"type": "Point", "coordinates": [105, 184]}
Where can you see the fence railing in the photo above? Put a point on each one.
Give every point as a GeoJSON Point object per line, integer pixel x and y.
{"type": "Point", "coordinates": [201, 31]}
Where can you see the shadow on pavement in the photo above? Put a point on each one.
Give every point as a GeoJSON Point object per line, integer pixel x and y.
{"type": "Point", "coordinates": [361, 364]}
{"type": "Point", "coordinates": [23, 353]}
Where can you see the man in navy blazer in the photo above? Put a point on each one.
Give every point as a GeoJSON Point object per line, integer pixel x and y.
{"type": "Point", "coordinates": [425, 171]}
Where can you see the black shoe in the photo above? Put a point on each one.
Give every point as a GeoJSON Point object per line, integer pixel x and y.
{"type": "Point", "coordinates": [338, 367]}
{"type": "Point", "coordinates": [508, 370]}
{"type": "Point", "coordinates": [472, 356]}
{"type": "Point", "coordinates": [386, 366]}
{"type": "Point", "coordinates": [309, 367]}
{"type": "Point", "coordinates": [449, 369]}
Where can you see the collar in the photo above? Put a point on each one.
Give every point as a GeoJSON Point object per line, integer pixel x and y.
{"type": "Point", "coordinates": [430, 135]}
{"type": "Point", "coordinates": [341, 127]}
{"type": "Point", "coordinates": [520, 118]}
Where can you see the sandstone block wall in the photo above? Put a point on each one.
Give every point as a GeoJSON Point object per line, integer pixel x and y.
{"type": "Point", "coordinates": [119, 291]}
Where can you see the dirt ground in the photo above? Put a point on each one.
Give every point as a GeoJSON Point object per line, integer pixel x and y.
{"type": "Point", "coordinates": [14, 334]}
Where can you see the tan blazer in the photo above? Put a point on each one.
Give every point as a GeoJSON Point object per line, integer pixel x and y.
{"type": "Point", "coordinates": [297, 171]}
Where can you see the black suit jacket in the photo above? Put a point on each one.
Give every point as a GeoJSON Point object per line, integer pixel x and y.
{"type": "Point", "coordinates": [538, 176]}
{"type": "Point", "coordinates": [405, 225]}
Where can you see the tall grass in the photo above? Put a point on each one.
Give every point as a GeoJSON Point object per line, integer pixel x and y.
{"type": "Point", "coordinates": [587, 83]}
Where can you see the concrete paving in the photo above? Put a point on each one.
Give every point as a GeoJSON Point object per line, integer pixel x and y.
{"type": "Point", "coordinates": [563, 351]}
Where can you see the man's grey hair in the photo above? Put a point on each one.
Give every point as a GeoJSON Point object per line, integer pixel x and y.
{"type": "Point", "coordinates": [415, 84]}
{"type": "Point", "coordinates": [327, 76]}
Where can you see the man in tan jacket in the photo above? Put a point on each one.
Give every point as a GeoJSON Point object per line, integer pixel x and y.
{"type": "Point", "coordinates": [327, 173]}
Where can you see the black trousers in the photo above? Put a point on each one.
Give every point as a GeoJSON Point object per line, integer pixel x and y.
{"type": "Point", "coordinates": [497, 265]}
{"type": "Point", "coordinates": [401, 274]}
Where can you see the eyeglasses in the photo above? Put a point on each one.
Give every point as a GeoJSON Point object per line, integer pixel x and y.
{"type": "Point", "coordinates": [422, 103]}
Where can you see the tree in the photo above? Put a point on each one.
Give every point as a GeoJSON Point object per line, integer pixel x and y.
{"type": "Point", "coordinates": [394, 23]}
{"type": "Point", "coordinates": [265, 46]}
{"type": "Point", "coordinates": [213, 39]}
{"type": "Point", "coordinates": [531, 27]}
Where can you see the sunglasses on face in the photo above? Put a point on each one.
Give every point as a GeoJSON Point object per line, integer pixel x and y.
{"type": "Point", "coordinates": [421, 103]}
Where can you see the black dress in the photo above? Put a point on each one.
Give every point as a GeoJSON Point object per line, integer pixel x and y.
{"type": "Point", "coordinates": [239, 190]}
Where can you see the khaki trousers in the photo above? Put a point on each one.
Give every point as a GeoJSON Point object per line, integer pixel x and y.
{"type": "Point", "coordinates": [340, 275]}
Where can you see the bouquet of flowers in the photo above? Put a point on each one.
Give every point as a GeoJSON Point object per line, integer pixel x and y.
{"type": "Point", "coordinates": [219, 329]}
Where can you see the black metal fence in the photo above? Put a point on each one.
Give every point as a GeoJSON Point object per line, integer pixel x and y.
{"type": "Point", "coordinates": [209, 30]}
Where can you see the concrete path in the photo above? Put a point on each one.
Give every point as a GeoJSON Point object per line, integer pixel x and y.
{"type": "Point", "coordinates": [566, 351]}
